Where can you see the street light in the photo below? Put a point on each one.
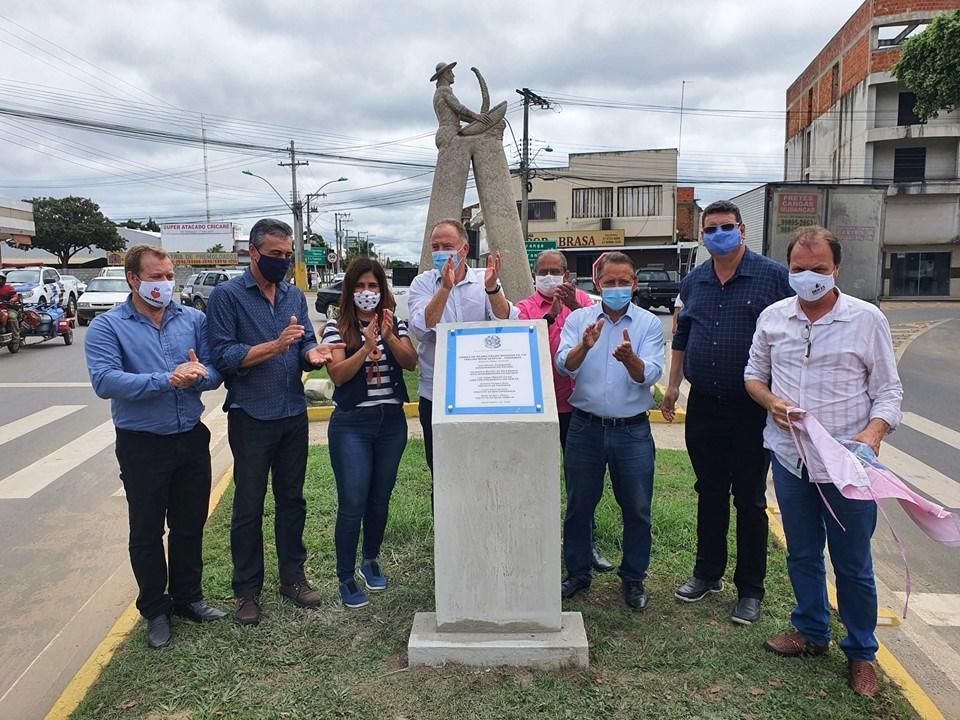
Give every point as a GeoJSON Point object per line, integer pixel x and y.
{"type": "Point", "coordinates": [282, 198]}
{"type": "Point", "coordinates": [316, 193]}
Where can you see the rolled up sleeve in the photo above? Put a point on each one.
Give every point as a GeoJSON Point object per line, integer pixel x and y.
{"type": "Point", "coordinates": [421, 292]}
{"type": "Point", "coordinates": [104, 364]}
{"type": "Point", "coordinates": [883, 381]}
{"type": "Point", "coordinates": [569, 338]}
{"type": "Point", "coordinates": [651, 351]}
{"type": "Point", "coordinates": [226, 352]}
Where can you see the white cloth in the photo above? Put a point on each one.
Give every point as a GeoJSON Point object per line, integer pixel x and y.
{"type": "Point", "coordinates": [468, 302]}
{"type": "Point", "coordinates": [844, 375]}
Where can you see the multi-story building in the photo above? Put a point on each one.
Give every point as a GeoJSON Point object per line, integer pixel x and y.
{"type": "Point", "coordinates": [603, 201]}
{"type": "Point", "coordinates": [850, 121]}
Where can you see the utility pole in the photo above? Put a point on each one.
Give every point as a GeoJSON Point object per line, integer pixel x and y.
{"type": "Point", "coordinates": [299, 269]}
{"type": "Point", "coordinates": [340, 218]}
{"type": "Point", "coordinates": [528, 97]}
{"type": "Point", "coordinates": [206, 168]}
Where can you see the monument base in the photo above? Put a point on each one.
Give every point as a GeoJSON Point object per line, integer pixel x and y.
{"type": "Point", "coordinates": [542, 651]}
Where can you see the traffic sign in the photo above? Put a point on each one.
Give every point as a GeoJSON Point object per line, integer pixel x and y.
{"type": "Point", "coordinates": [535, 247]}
{"type": "Point", "coordinates": [332, 256]}
{"type": "Point", "coordinates": [315, 256]}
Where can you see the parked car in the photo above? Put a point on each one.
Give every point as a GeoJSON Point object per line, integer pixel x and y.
{"type": "Point", "coordinates": [656, 287]}
{"type": "Point", "coordinates": [205, 282]}
{"type": "Point", "coordinates": [81, 285]}
{"type": "Point", "coordinates": [186, 292]}
{"type": "Point", "coordinates": [112, 272]}
{"type": "Point", "coordinates": [45, 286]}
{"type": "Point", "coordinates": [103, 293]}
{"type": "Point", "coordinates": [328, 300]}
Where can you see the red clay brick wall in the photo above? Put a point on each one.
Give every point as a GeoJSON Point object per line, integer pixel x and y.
{"type": "Point", "coordinates": [686, 214]}
{"type": "Point", "coordinates": [898, 7]}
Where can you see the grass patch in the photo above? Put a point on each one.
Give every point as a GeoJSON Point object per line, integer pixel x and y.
{"type": "Point", "coordinates": [409, 378]}
{"type": "Point", "coordinates": [673, 661]}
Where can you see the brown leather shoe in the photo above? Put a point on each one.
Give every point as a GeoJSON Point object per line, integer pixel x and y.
{"type": "Point", "coordinates": [863, 678]}
{"type": "Point", "coordinates": [794, 644]}
{"type": "Point", "coordinates": [247, 611]}
{"type": "Point", "coordinates": [301, 594]}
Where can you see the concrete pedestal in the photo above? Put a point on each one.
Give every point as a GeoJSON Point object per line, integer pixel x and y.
{"type": "Point", "coordinates": [497, 530]}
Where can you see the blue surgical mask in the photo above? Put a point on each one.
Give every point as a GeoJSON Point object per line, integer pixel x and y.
{"type": "Point", "coordinates": [440, 258]}
{"type": "Point", "coordinates": [616, 298]}
{"type": "Point", "coordinates": [273, 269]}
{"type": "Point", "coordinates": [722, 242]}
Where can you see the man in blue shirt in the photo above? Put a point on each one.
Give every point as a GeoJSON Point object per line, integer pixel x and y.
{"type": "Point", "coordinates": [615, 353]}
{"type": "Point", "coordinates": [721, 301]}
{"type": "Point", "coordinates": [150, 358]}
{"type": "Point", "coordinates": [261, 340]}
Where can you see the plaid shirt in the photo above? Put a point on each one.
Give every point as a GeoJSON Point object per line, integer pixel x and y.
{"type": "Point", "coordinates": [716, 322]}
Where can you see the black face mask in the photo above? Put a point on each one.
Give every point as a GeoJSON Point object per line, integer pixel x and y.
{"type": "Point", "coordinates": [273, 269]}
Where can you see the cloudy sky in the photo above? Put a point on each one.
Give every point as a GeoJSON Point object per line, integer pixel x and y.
{"type": "Point", "coordinates": [351, 79]}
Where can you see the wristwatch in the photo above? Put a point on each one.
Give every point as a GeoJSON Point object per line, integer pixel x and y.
{"type": "Point", "coordinates": [497, 289]}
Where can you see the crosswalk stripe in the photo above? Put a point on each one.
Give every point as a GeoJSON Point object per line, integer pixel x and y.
{"type": "Point", "coordinates": [943, 490]}
{"type": "Point", "coordinates": [44, 385]}
{"type": "Point", "coordinates": [933, 429]}
{"type": "Point", "coordinates": [18, 428]}
{"type": "Point", "coordinates": [32, 479]}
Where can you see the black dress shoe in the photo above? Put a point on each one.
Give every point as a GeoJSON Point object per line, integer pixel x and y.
{"type": "Point", "coordinates": [696, 589]}
{"type": "Point", "coordinates": [599, 562]}
{"type": "Point", "coordinates": [199, 611]}
{"type": "Point", "coordinates": [635, 595]}
{"type": "Point", "coordinates": [158, 631]}
{"type": "Point", "coordinates": [746, 611]}
{"type": "Point", "coordinates": [573, 585]}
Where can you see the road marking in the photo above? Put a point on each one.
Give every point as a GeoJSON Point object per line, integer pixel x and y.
{"type": "Point", "coordinates": [943, 490]}
{"type": "Point", "coordinates": [938, 609]}
{"type": "Point", "coordinates": [933, 429]}
{"type": "Point", "coordinates": [35, 477]}
{"type": "Point", "coordinates": [4, 386]}
{"type": "Point", "coordinates": [18, 428]}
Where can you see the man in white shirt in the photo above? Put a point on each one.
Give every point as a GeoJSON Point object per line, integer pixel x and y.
{"type": "Point", "coordinates": [830, 355]}
{"type": "Point", "coordinates": [451, 292]}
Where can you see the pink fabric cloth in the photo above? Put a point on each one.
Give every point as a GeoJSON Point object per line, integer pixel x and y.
{"type": "Point", "coordinates": [534, 308]}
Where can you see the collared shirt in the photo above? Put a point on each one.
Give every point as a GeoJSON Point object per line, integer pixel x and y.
{"type": "Point", "coordinates": [130, 360]}
{"type": "Point", "coordinates": [844, 375]}
{"type": "Point", "coordinates": [468, 302]}
{"type": "Point", "coordinates": [239, 316]}
{"type": "Point", "coordinates": [604, 387]}
{"type": "Point", "coordinates": [534, 308]}
{"type": "Point", "coordinates": [716, 322]}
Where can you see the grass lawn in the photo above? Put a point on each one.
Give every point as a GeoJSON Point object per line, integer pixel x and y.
{"type": "Point", "coordinates": [409, 377]}
{"type": "Point", "coordinates": [673, 661]}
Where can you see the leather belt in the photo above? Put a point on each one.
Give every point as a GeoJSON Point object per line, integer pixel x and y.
{"type": "Point", "coordinates": [611, 421]}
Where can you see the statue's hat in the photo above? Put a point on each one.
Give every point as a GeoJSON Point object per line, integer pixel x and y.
{"type": "Point", "coordinates": [442, 68]}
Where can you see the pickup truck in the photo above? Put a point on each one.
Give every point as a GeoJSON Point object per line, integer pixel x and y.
{"type": "Point", "coordinates": [656, 286]}
{"type": "Point", "coordinates": [45, 286]}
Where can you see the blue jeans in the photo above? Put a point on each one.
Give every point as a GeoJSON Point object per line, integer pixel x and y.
{"type": "Point", "coordinates": [629, 452]}
{"type": "Point", "coordinates": [365, 449]}
{"type": "Point", "coordinates": [808, 524]}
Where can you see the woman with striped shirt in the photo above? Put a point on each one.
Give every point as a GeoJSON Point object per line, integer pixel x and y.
{"type": "Point", "coordinates": [368, 430]}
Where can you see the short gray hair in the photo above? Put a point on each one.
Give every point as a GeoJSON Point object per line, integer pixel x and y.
{"type": "Point", "coordinates": [545, 253]}
{"type": "Point", "coordinates": [269, 226]}
{"type": "Point", "coordinates": [455, 224]}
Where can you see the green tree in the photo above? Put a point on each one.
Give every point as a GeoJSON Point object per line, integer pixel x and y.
{"type": "Point", "coordinates": [151, 225]}
{"type": "Point", "coordinates": [218, 248]}
{"type": "Point", "coordinates": [65, 226]}
{"type": "Point", "coordinates": [132, 224]}
{"type": "Point", "coordinates": [400, 264]}
{"type": "Point", "coordinates": [929, 65]}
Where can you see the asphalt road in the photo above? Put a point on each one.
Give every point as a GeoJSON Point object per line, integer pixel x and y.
{"type": "Point", "coordinates": [64, 571]}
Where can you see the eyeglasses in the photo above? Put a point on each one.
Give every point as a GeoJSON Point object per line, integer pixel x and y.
{"type": "Point", "coordinates": [726, 227]}
{"type": "Point", "coordinates": [805, 334]}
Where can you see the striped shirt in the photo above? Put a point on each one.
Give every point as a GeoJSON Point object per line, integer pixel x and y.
{"type": "Point", "coordinates": [379, 389]}
{"type": "Point", "coordinates": [841, 369]}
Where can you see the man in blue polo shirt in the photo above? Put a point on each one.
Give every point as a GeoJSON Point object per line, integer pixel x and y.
{"type": "Point", "coordinates": [615, 353]}
{"type": "Point", "coordinates": [149, 357]}
{"type": "Point", "coordinates": [261, 341]}
{"type": "Point", "coordinates": [721, 301]}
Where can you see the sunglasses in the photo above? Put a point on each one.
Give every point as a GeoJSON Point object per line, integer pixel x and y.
{"type": "Point", "coordinates": [726, 227]}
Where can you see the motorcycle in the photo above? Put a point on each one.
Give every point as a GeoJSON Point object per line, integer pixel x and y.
{"type": "Point", "coordinates": [6, 329]}
{"type": "Point", "coordinates": [45, 322]}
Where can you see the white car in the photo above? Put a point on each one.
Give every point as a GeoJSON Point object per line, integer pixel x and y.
{"type": "Point", "coordinates": [45, 286]}
{"type": "Point", "coordinates": [113, 272]}
{"type": "Point", "coordinates": [80, 284]}
{"type": "Point", "coordinates": [103, 294]}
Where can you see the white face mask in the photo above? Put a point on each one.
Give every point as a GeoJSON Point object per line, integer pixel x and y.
{"type": "Point", "coordinates": [366, 300]}
{"type": "Point", "coordinates": [811, 286]}
{"type": "Point", "coordinates": [157, 294]}
{"type": "Point", "coordinates": [547, 284]}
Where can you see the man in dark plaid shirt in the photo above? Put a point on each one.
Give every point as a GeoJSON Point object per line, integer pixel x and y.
{"type": "Point", "coordinates": [722, 300]}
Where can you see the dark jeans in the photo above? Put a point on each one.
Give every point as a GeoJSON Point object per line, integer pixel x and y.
{"type": "Point", "coordinates": [365, 449]}
{"type": "Point", "coordinates": [725, 442]}
{"type": "Point", "coordinates": [564, 419]}
{"type": "Point", "coordinates": [425, 410]}
{"type": "Point", "coordinates": [629, 453]}
{"type": "Point", "coordinates": [277, 447]}
{"type": "Point", "coordinates": [808, 524]}
{"type": "Point", "coordinates": [167, 480]}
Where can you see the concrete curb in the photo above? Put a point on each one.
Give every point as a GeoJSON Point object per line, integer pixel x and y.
{"type": "Point", "coordinates": [910, 688]}
{"type": "Point", "coordinates": [78, 687]}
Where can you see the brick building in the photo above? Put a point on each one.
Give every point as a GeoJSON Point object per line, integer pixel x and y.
{"type": "Point", "coordinates": [850, 121]}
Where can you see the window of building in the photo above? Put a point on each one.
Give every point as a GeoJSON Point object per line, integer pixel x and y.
{"type": "Point", "coordinates": [920, 273]}
{"type": "Point", "coordinates": [834, 83]}
{"type": "Point", "coordinates": [905, 105]}
{"type": "Point", "coordinates": [909, 164]}
{"type": "Point", "coordinates": [593, 202]}
{"type": "Point", "coordinates": [893, 35]}
{"type": "Point", "coordinates": [539, 209]}
{"type": "Point", "coordinates": [639, 200]}
{"type": "Point", "coordinates": [807, 142]}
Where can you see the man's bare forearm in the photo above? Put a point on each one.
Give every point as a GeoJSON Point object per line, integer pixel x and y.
{"type": "Point", "coordinates": [260, 353]}
{"type": "Point", "coordinates": [434, 309]}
